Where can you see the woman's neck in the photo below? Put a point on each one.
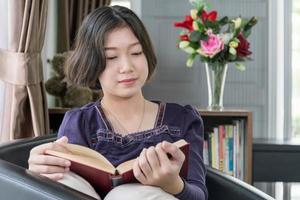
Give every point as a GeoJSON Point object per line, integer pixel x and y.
{"type": "Point", "coordinates": [124, 107]}
{"type": "Point", "coordinates": [129, 115]}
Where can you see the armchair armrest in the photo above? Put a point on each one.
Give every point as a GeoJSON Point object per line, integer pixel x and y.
{"type": "Point", "coordinates": [17, 152]}
{"type": "Point", "coordinates": [222, 186]}
{"type": "Point", "coordinates": [18, 183]}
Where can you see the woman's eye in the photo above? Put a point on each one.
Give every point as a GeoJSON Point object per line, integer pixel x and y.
{"type": "Point", "coordinates": [111, 57]}
{"type": "Point", "coordinates": [137, 53]}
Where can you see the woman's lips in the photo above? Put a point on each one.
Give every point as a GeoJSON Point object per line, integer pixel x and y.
{"type": "Point", "coordinates": [129, 81]}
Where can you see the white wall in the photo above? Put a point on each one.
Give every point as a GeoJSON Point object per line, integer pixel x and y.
{"type": "Point", "coordinates": [177, 83]}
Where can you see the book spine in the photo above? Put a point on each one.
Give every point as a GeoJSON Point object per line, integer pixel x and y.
{"type": "Point", "coordinates": [205, 152]}
{"type": "Point", "coordinates": [216, 137]}
{"type": "Point", "coordinates": [116, 180]}
{"type": "Point", "coordinates": [221, 146]}
{"type": "Point", "coordinates": [230, 147]}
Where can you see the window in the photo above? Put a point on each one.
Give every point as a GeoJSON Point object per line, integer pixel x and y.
{"type": "Point", "coordinates": [295, 69]}
{"type": "Point", "coordinates": [125, 3]}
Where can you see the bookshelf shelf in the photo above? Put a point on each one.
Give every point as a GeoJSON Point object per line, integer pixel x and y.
{"type": "Point", "coordinates": [213, 119]}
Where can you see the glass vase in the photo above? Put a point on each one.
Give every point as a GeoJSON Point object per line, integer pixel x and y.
{"type": "Point", "coordinates": [216, 76]}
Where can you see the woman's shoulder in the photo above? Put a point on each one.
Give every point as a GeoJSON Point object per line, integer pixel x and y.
{"type": "Point", "coordinates": [181, 114]}
{"type": "Point", "coordinates": [76, 119]}
{"type": "Point", "coordinates": [86, 111]}
{"type": "Point", "coordinates": [178, 109]}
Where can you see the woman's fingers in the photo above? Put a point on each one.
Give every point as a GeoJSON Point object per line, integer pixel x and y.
{"type": "Point", "coordinates": [137, 172]}
{"type": "Point", "coordinates": [48, 160]}
{"type": "Point", "coordinates": [55, 177]}
{"type": "Point", "coordinates": [57, 145]}
{"type": "Point", "coordinates": [173, 150]}
{"type": "Point", "coordinates": [63, 139]}
{"type": "Point", "coordinates": [162, 155]}
{"type": "Point", "coordinates": [48, 169]}
{"type": "Point", "coordinates": [152, 158]}
{"type": "Point", "coordinates": [144, 164]}
{"type": "Point", "coordinates": [47, 165]}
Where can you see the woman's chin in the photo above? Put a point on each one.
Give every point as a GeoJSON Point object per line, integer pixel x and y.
{"type": "Point", "coordinates": [129, 93]}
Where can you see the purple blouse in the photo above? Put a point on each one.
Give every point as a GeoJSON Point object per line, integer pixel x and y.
{"type": "Point", "coordinates": [88, 126]}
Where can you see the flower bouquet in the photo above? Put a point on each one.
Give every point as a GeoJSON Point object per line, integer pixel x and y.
{"type": "Point", "coordinates": [217, 42]}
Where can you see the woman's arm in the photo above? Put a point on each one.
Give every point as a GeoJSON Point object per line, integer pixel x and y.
{"type": "Point", "coordinates": [195, 188]}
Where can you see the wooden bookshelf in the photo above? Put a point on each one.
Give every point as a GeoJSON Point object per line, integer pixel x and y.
{"type": "Point", "coordinates": [213, 118]}
{"type": "Point", "coordinates": [210, 118]}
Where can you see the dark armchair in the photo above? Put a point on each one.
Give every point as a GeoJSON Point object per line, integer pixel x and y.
{"type": "Point", "coordinates": [18, 183]}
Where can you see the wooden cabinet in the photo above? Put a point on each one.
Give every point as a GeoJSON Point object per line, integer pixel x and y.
{"type": "Point", "coordinates": [213, 120]}
{"type": "Point", "coordinates": [56, 116]}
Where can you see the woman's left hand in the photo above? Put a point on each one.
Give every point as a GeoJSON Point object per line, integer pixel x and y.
{"type": "Point", "coordinates": [154, 167]}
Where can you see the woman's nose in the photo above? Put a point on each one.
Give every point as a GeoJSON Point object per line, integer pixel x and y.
{"type": "Point", "coordinates": [126, 65]}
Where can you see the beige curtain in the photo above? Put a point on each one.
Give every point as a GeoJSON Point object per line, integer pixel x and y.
{"type": "Point", "coordinates": [70, 16]}
{"type": "Point", "coordinates": [25, 110]}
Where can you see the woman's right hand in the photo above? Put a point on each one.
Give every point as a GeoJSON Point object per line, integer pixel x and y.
{"type": "Point", "coordinates": [46, 165]}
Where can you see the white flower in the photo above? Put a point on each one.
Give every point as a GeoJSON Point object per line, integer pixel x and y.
{"type": "Point", "coordinates": [189, 62]}
{"type": "Point", "coordinates": [232, 51]}
{"type": "Point", "coordinates": [184, 44]}
{"type": "Point", "coordinates": [194, 14]}
{"type": "Point", "coordinates": [237, 22]}
{"type": "Point", "coordinates": [195, 26]}
{"type": "Point", "coordinates": [189, 50]}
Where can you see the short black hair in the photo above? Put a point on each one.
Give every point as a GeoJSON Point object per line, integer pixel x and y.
{"type": "Point", "coordinates": [87, 61]}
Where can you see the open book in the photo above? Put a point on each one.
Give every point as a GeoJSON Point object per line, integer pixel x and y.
{"type": "Point", "coordinates": [101, 174]}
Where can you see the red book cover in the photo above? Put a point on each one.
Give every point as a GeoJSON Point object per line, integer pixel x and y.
{"type": "Point", "coordinates": [100, 173]}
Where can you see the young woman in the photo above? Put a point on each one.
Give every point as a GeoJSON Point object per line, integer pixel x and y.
{"type": "Point", "coordinates": [113, 50]}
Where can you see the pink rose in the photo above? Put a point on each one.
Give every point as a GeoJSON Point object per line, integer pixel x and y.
{"type": "Point", "coordinates": [213, 45]}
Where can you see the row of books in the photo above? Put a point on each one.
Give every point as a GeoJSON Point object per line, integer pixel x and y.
{"type": "Point", "coordinates": [224, 148]}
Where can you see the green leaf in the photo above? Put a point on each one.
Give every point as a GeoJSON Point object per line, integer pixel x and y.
{"type": "Point", "coordinates": [195, 45]}
{"type": "Point", "coordinates": [223, 21]}
{"type": "Point", "coordinates": [240, 66]}
{"type": "Point", "coordinates": [250, 24]}
{"type": "Point", "coordinates": [212, 25]}
{"type": "Point", "coordinates": [232, 57]}
{"type": "Point", "coordinates": [236, 32]}
{"type": "Point", "coordinates": [204, 37]}
{"type": "Point", "coordinates": [195, 36]}
{"type": "Point", "coordinates": [201, 26]}
{"type": "Point", "coordinates": [246, 33]}
{"type": "Point", "coordinates": [208, 5]}
{"type": "Point", "coordinates": [244, 22]}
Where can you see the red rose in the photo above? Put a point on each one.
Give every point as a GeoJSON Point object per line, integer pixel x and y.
{"type": "Point", "coordinates": [243, 47]}
{"type": "Point", "coordinates": [184, 37]}
{"type": "Point", "coordinates": [211, 16]}
{"type": "Point", "coordinates": [188, 23]}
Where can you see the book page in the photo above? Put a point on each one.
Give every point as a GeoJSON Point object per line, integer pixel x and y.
{"type": "Point", "coordinates": [125, 166]}
{"type": "Point", "coordinates": [86, 156]}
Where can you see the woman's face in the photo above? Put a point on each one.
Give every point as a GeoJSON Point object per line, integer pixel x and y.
{"type": "Point", "coordinates": [126, 68]}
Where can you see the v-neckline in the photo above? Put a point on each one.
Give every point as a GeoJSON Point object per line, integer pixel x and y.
{"type": "Point", "coordinates": [158, 119]}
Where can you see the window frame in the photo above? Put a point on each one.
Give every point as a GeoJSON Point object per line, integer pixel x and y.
{"type": "Point", "coordinates": [280, 70]}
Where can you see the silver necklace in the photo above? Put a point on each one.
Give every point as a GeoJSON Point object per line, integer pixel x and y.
{"type": "Point", "coordinates": [119, 122]}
